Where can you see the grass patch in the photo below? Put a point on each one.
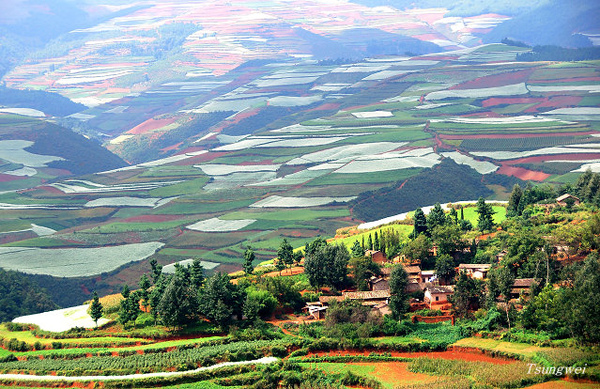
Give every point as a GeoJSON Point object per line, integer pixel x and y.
{"type": "Point", "coordinates": [364, 178]}
{"type": "Point", "coordinates": [295, 214]}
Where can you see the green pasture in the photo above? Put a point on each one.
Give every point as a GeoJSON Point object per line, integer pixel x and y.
{"type": "Point", "coordinates": [182, 188]}
{"type": "Point", "coordinates": [364, 178]}
{"type": "Point", "coordinates": [119, 227]}
{"type": "Point", "coordinates": [522, 349]}
{"type": "Point", "coordinates": [403, 229]}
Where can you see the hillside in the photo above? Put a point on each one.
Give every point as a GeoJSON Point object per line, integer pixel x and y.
{"type": "Point", "coordinates": [285, 149]}
{"type": "Point", "coordinates": [33, 151]}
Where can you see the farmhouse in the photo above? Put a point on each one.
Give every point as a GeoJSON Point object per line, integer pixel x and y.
{"type": "Point", "coordinates": [377, 256]}
{"type": "Point", "coordinates": [475, 270]}
{"type": "Point", "coordinates": [436, 296]}
{"type": "Point", "coordinates": [378, 283]}
{"type": "Point", "coordinates": [370, 297]}
{"type": "Point", "coordinates": [565, 199]}
{"type": "Point", "coordinates": [521, 286]}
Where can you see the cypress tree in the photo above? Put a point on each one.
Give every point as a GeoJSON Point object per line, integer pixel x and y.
{"type": "Point", "coordinates": [96, 309]}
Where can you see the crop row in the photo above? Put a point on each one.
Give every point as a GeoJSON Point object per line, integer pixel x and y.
{"type": "Point", "coordinates": [181, 359]}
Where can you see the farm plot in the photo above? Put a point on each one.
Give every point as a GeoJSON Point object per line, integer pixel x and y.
{"type": "Point", "coordinates": [479, 93]}
{"type": "Point", "coordinates": [298, 202]}
{"type": "Point", "coordinates": [170, 268]}
{"type": "Point", "coordinates": [219, 225]}
{"type": "Point", "coordinates": [389, 374]}
{"type": "Point", "coordinates": [222, 169]}
{"type": "Point", "coordinates": [482, 167]}
{"type": "Point", "coordinates": [81, 186]}
{"type": "Point", "coordinates": [237, 180]}
{"type": "Point", "coordinates": [148, 202]}
{"type": "Point", "coordinates": [346, 153]}
{"type": "Point", "coordinates": [518, 142]}
{"type": "Point", "coordinates": [506, 155]}
{"type": "Point", "coordinates": [74, 262]}
{"type": "Point", "coordinates": [394, 163]}
{"type": "Point", "coordinates": [62, 319]}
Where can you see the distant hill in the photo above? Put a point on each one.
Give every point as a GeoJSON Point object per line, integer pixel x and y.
{"type": "Point", "coordinates": [50, 103]}
{"type": "Point", "coordinates": [81, 155]}
{"type": "Point", "coordinates": [556, 23]}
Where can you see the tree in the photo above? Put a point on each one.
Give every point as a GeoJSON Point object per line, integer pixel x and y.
{"type": "Point", "coordinates": [144, 291]}
{"type": "Point", "coordinates": [376, 245]}
{"type": "Point", "coordinates": [445, 267]}
{"type": "Point", "coordinates": [285, 253]}
{"type": "Point", "coordinates": [258, 304]}
{"type": "Point", "coordinates": [197, 273]}
{"type": "Point", "coordinates": [178, 305]}
{"type": "Point", "coordinates": [513, 208]}
{"type": "Point", "coordinates": [248, 259]}
{"type": "Point", "coordinates": [468, 294]}
{"type": "Point", "coordinates": [448, 238]}
{"type": "Point", "coordinates": [96, 309]}
{"type": "Point", "coordinates": [327, 266]}
{"type": "Point", "coordinates": [436, 217]}
{"type": "Point", "coordinates": [220, 299]}
{"type": "Point", "coordinates": [420, 223]}
{"type": "Point", "coordinates": [452, 216]}
{"type": "Point", "coordinates": [370, 243]}
{"type": "Point", "coordinates": [418, 248]}
{"type": "Point", "coordinates": [156, 270]}
{"type": "Point", "coordinates": [585, 303]}
{"type": "Point", "coordinates": [399, 298]}
{"type": "Point", "coordinates": [129, 308]}
{"type": "Point", "coordinates": [363, 268]}
{"type": "Point", "coordinates": [486, 215]}
{"type": "Point", "coordinates": [357, 250]}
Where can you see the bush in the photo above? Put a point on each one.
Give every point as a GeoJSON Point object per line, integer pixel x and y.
{"type": "Point", "coordinates": [16, 345]}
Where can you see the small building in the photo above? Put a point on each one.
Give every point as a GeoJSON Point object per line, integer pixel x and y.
{"type": "Point", "coordinates": [475, 270]}
{"type": "Point", "coordinates": [316, 310]}
{"type": "Point", "coordinates": [369, 297]}
{"type": "Point", "coordinates": [378, 283]}
{"type": "Point", "coordinates": [521, 286]}
{"type": "Point", "coordinates": [501, 255]}
{"type": "Point", "coordinates": [427, 276]}
{"type": "Point", "coordinates": [376, 255]}
{"type": "Point", "coordinates": [436, 296]}
{"type": "Point", "coordinates": [414, 272]}
{"type": "Point", "coordinates": [565, 199]}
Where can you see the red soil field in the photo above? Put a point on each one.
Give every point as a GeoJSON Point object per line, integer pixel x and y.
{"type": "Point", "coordinates": [493, 101]}
{"type": "Point", "coordinates": [173, 147]}
{"type": "Point", "coordinates": [8, 178]}
{"type": "Point", "coordinates": [150, 125]}
{"type": "Point", "coordinates": [557, 102]}
{"type": "Point", "coordinates": [471, 356]}
{"type": "Point", "coordinates": [206, 157]}
{"type": "Point", "coordinates": [522, 173]}
{"type": "Point", "coordinates": [496, 80]}
{"type": "Point", "coordinates": [325, 107]}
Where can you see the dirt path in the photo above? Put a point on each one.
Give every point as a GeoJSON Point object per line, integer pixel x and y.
{"type": "Point", "coordinates": [26, 377]}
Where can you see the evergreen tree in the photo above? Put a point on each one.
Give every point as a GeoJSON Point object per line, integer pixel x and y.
{"type": "Point", "coordinates": [362, 244]}
{"type": "Point", "coordinates": [96, 309]}
{"type": "Point", "coordinates": [129, 308]}
{"type": "Point", "coordinates": [420, 223]}
{"type": "Point", "coordinates": [357, 250]}
{"type": "Point", "coordinates": [486, 215]}
{"type": "Point", "coordinates": [197, 273]}
{"type": "Point", "coordinates": [399, 298]}
{"type": "Point", "coordinates": [156, 294]}
{"type": "Point", "coordinates": [436, 217]}
{"type": "Point", "coordinates": [144, 291]}
{"type": "Point", "coordinates": [376, 242]}
{"type": "Point", "coordinates": [462, 213]}
{"type": "Point", "coordinates": [156, 270]}
{"type": "Point", "coordinates": [178, 305]}
{"type": "Point", "coordinates": [248, 259]}
{"type": "Point", "coordinates": [370, 243]}
{"type": "Point", "coordinates": [220, 299]}
{"type": "Point", "coordinates": [453, 216]}
{"type": "Point", "coordinates": [513, 202]}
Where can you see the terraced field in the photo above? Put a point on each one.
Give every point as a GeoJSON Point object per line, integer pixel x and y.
{"type": "Point", "coordinates": [291, 149]}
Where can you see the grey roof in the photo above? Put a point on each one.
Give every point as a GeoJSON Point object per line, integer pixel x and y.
{"type": "Point", "coordinates": [439, 288]}
{"type": "Point", "coordinates": [475, 266]}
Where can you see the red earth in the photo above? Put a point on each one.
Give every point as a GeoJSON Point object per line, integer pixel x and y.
{"type": "Point", "coordinates": [522, 173]}
{"type": "Point", "coordinates": [501, 79]}
{"type": "Point", "coordinates": [464, 355]}
{"type": "Point", "coordinates": [150, 125]}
